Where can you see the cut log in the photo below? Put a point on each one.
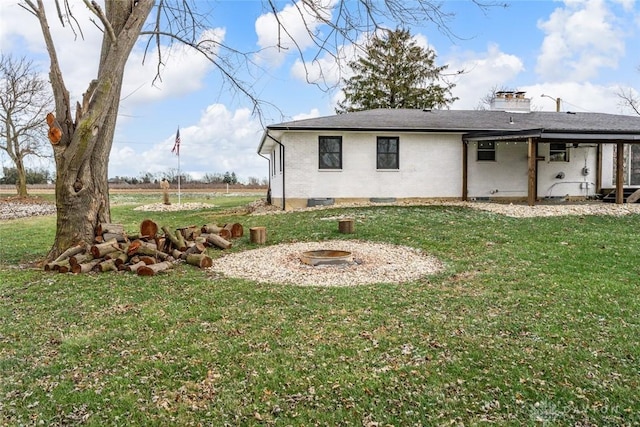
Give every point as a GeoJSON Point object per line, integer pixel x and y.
{"type": "Point", "coordinates": [195, 248]}
{"type": "Point", "coordinates": [634, 197]}
{"type": "Point", "coordinates": [107, 265]}
{"type": "Point", "coordinates": [235, 229]}
{"type": "Point", "coordinates": [106, 227]}
{"type": "Point", "coordinates": [151, 270]}
{"type": "Point", "coordinates": [121, 259]}
{"type": "Point", "coordinates": [182, 244]}
{"type": "Point", "coordinates": [147, 259]}
{"type": "Point", "coordinates": [218, 241]}
{"type": "Point", "coordinates": [144, 250]}
{"type": "Point", "coordinates": [199, 260]}
{"type": "Point", "coordinates": [176, 254]}
{"type": "Point", "coordinates": [85, 267]}
{"type": "Point", "coordinates": [176, 239]}
{"type": "Point", "coordinates": [133, 246]}
{"type": "Point", "coordinates": [190, 232]}
{"type": "Point", "coordinates": [120, 237]}
{"type": "Point", "coordinates": [210, 228]}
{"type": "Point", "coordinates": [61, 266]}
{"type": "Point", "coordinates": [346, 226]}
{"type": "Point", "coordinates": [258, 235]}
{"type": "Point", "coordinates": [148, 228]}
{"type": "Point", "coordinates": [216, 229]}
{"type": "Point", "coordinates": [73, 250]}
{"type": "Point", "coordinates": [134, 267]}
{"type": "Point", "coordinates": [79, 259]}
{"type": "Point", "coordinates": [101, 249]}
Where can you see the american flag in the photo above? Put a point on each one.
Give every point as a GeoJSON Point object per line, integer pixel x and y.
{"type": "Point", "coordinates": [176, 145]}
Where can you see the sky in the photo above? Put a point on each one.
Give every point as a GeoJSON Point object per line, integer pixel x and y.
{"type": "Point", "coordinates": [582, 52]}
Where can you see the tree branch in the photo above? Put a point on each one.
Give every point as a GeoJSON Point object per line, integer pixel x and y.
{"type": "Point", "coordinates": [97, 10]}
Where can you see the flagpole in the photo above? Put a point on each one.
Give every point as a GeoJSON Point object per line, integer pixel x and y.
{"type": "Point", "coordinates": [176, 149]}
{"type": "Point", "coordinates": [179, 177]}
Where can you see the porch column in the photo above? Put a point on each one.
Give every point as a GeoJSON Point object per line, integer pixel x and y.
{"type": "Point", "coordinates": [465, 162]}
{"type": "Point", "coordinates": [620, 173]}
{"type": "Point", "coordinates": [532, 154]}
{"type": "Point", "coordinates": [599, 169]}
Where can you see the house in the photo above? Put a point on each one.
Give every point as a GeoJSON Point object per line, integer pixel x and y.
{"type": "Point", "coordinates": [400, 154]}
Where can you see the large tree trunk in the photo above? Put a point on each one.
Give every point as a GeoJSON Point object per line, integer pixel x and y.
{"type": "Point", "coordinates": [82, 152]}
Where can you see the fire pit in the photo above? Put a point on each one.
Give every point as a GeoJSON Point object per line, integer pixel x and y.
{"type": "Point", "coordinates": [326, 257]}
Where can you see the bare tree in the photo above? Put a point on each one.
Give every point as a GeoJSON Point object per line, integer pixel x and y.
{"type": "Point", "coordinates": [82, 134]}
{"type": "Point", "coordinates": [629, 99]}
{"type": "Point", "coordinates": [24, 100]}
{"type": "Point", "coordinates": [486, 100]}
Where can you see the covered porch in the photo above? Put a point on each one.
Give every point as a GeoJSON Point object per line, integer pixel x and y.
{"type": "Point", "coordinates": [535, 137]}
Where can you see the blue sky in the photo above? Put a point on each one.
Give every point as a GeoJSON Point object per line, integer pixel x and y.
{"type": "Point", "coordinates": [580, 51]}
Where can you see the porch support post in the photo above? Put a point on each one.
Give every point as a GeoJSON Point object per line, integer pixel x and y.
{"type": "Point", "coordinates": [532, 155]}
{"type": "Point", "coordinates": [465, 162]}
{"type": "Point", "coordinates": [620, 173]}
{"type": "Point", "coordinates": [599, 169]}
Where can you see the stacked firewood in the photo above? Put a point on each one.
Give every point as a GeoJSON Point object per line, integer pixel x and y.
{"type": "Point", "coordinates": [152, 250]}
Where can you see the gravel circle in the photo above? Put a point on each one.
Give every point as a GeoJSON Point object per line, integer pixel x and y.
{"type": "Point", "coordinates": [174, 207]}
{"type": "Point", "coordinates": [373, 263]}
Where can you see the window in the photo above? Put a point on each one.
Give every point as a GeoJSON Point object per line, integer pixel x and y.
{"type": "Point", "coordinates": [330, 152]}
{"type": "Point", "coordinates": [558, 152]}
{"type": "Point", "coordinates": [388, 153]}
{"type": "Point", "coordinates": [486, 151]}
{"type": "Point", "coordinates": [273, 163]}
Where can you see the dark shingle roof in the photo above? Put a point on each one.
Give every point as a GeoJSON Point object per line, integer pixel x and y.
{"type": "Point", "coordinates": [467, 121]}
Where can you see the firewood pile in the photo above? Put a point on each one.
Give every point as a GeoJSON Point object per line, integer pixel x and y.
{"type": "Point", "coordinates": [152, 250]}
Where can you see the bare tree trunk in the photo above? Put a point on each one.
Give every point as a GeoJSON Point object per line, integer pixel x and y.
{"type": "Point", "coordinates": [21, 182]}
{"type": "Point", "coordinates": [82, 151]}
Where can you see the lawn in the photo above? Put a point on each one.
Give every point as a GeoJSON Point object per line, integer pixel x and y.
{"type": "Point", "coordinates": [535, 321]}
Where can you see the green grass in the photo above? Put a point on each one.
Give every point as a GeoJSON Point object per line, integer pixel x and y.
{"type": "Point", "coordinates": [534, 322]}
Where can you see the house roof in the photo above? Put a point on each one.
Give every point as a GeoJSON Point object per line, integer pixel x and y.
{"type": "Point", "coordinates": [476, 124]}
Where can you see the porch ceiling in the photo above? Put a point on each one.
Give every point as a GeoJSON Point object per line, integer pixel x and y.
{"type": "Point", "coordinates": [549, 136]}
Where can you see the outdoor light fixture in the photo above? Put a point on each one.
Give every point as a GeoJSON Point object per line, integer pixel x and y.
{"type": "Point", "coordinates": [555, 99]}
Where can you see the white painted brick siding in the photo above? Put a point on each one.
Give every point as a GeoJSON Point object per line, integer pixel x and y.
{"type": "Point", "coordinates": [429, 167]}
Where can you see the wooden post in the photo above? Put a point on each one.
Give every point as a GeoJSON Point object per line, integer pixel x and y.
{"type": "Point", "coordinates": [620, 173]}
{"type": "Point", "coordinates": [465, 172]}
{"type": "Point", "coordinates": [258, 235]}
{"type": "Point", "coordinates": [346, 226]}
{"type": "Point", "coordinates": [532, 171]}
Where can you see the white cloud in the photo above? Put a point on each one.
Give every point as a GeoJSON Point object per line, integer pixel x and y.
{"type": "Point", "coordinates": [575, 96]}
{"type": "Point", "coordinates": [482, 72]}
{"type": "Point", "coordinates": [221, 141]}
{"type": "Point", "coordinates": [183, 71]}
{"type": "Point", "coordinates": [289, 31]}
{"type": "Point", "coordinates": [310, 115]}
{"type": "Point", "coordinates": [581, 39]}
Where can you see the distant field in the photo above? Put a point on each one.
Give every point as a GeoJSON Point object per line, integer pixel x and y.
{"type": "Point", "coordinates": [38, 190]}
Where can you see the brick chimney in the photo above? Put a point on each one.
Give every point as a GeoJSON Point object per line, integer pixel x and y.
{"type": "Point", "coordinates": [511, 101]}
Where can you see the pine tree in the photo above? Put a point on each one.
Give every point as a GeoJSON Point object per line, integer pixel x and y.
{"type": "Point", "coordinates": [395, 73]}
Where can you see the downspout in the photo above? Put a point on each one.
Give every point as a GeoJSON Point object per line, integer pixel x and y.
{"type": "Point", "coordinates": [282, 159]}
{"type": "Point", "coordinates": [269, 175]}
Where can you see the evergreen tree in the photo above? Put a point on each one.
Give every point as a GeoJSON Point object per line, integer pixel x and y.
{"type": "Point", "coordinates": [395, 73]}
